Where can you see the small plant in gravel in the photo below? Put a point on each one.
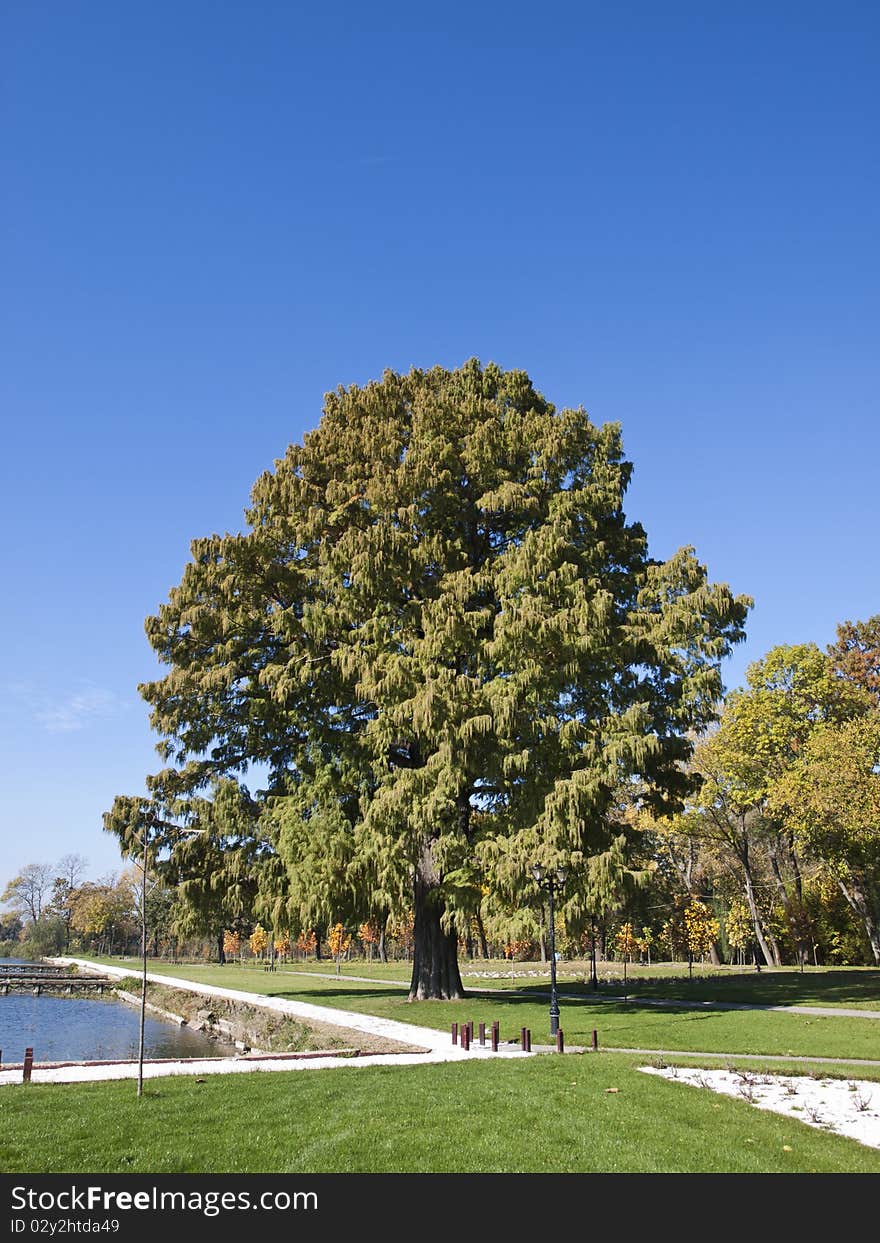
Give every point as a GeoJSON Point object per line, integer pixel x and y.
{"type": "Point", "coordinates": [861, 1102]}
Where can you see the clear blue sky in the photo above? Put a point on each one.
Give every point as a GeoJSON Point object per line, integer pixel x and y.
{"type": "Point", "coordinates": [215, 212]}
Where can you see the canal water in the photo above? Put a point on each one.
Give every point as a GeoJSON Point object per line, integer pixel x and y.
{"type": "Point", "coordinates": [80, 1029]}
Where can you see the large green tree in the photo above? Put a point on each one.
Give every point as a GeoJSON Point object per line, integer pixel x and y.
{"type": "Point", "coordinates": [831, 798]}
{"type": "Point", "coordinates": [439, 625]}
{"type": "Point", "coordinates": [790, 693]}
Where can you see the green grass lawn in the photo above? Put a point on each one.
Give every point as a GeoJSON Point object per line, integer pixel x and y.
{"type": "Point", "coordinates": [620, 1024]}
{"type": "Point", "coordinates": [547, 1114]}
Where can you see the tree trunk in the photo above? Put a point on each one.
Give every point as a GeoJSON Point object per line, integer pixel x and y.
{"type": "Point", "coordinates": [792, 909]}
{"type": "Point", "coordinates": [858, 901]}
{"type": "Point", "coordinates": [481, 933]}
{"type": "Point", "coordinates": [796, 870]}
{"type": "Point", "coordinates": [756, 918]}
{"type": "Point", "coordinates": [435, 974]}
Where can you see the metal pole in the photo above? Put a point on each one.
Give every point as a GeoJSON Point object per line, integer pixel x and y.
{"type": "Point", "coordinates": [140, 1086]}
{"type": "Point", "coordinates": [594, 977]}
{"type": "Point", "coordinates": [554, 1003]}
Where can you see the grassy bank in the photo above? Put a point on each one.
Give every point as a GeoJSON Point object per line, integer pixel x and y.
{"type": "Point", "coordinates": [549, 1114]}
{"type": "Point", "coordinates": [254, 1027]}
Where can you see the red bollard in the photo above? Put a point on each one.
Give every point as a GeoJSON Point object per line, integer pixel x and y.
{"type": "Point", "coordinates": [595, 1041]}
{"type": "Point", "coordinates": [455, 1033]}
{"type": "Point", "coordinates": [482, 1033]}
{"type": "Point", "coordinates": [496, 1028]}
{"type": "Point", "coordinates": [28, 1065]}
{"type": "Point", "coordinates": [560, 1042]}
{"type": "Point", "coordinates": [494, 1037]}
{"type": "Point", "coordinates": [465, 1037]}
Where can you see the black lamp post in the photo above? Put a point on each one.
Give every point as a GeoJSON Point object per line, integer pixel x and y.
{"type": "Point", "coordinates": [553, 883]}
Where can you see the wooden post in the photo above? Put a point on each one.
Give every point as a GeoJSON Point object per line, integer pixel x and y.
{"type": "Point", "coordinates": [560, 1042]}
{"type": "Point", "coordinates": [595, 1041]}
{"type": "Point", "coordinates": [455, 1033]}
{"type": "Point", "coordinates": [494, 1037]}
{"type": "Point", "coordinates": [465, 1037]}
{"type": "Point", "coordinates": [528, 1040]}
{"type": "Point", "coordinates": [522, 1038]}
{"type": "Point", "coordinates": [28, 1065]}
{"type": "Point", "coordinates": [482, 1033]}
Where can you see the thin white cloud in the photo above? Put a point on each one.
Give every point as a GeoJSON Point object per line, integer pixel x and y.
{"type": "Point", "coordinates": [67, 713]}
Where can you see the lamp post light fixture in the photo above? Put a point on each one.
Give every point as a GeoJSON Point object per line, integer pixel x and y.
{"type": "Point", "coordinates": [553, 882]}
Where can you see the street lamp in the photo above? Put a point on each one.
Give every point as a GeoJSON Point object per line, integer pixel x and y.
{"type": "Point", "coordinates": [553, 882]}
{"type": "Point", "coordinates": [143, 841]}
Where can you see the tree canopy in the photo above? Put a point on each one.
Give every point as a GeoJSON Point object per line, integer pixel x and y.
{"type": "Point", "coordinates": [438, 629]}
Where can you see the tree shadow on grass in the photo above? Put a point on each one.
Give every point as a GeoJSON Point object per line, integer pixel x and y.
{"type": "Point", "coordinates": [749, 987]}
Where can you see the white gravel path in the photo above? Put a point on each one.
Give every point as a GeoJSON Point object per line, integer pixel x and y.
{"type": "Point", "coordinates": [848, 1107]}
